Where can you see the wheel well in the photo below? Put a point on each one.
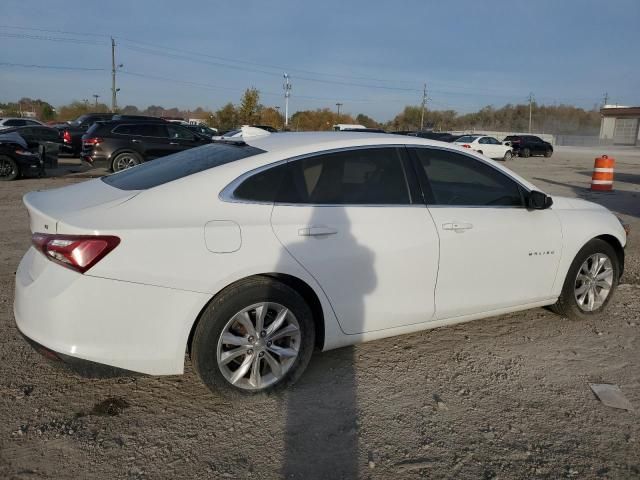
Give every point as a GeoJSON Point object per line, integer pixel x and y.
{"type": "Point", "coordinates": [295, 283]}
{"type": "Point", "coordinates": [615, 244]}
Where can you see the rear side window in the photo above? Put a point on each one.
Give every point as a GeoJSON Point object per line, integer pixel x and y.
{"type": "Point", "coordinates": [372, 176]}
{"type": "Point", "coordinates": [179, 165]}
{"type": "Point", "coordinates": [459, 180]}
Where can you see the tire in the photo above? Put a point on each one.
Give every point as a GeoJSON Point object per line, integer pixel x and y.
{"type": "Point", "coordinates": [8, 168]}
{"type": "Point", "coordinates": [568, 304]}
{"type": "Point", "coordinates": [480, 152]}
{"type": "Point", "coordinates": [548, 153]}
{"type": "Point", "coordinates": [507, 156]}
{"type": "Point", "coordinates": [224, 315]}
{"type": "Point", "coordinates": [125, 160]}
{"type": "Point", "coordinates": [526, 153]}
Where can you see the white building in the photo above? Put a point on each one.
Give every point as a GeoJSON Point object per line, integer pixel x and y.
{"type": "Point", "coordinates": [619, 125]}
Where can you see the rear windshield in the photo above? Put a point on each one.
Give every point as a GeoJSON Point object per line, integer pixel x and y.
{"type": "Point", "coordinates": [467, 138]}
{"type": "Point", "coordinates": [178, 165]}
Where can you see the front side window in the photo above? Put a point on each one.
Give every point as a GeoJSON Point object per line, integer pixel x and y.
{"type": "Point", "coordinates": [466, 139]}
{"type": "Point", "coordinates": [15, 123]}
{"type": "Point", "coordinates": [372, 176]}
{"type": "Point", "coordinates": [179, 133]}
{"type": "Point", "coordinates": [457, 179]}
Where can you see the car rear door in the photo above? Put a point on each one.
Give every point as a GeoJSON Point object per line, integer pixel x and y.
{"type": "Point", "coordinates": [494, 252]}
{"type": "Point", "coordinates": [352, 219]}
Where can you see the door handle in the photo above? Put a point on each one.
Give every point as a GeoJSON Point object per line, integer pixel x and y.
{"type": "Point", "coordinates": [133, 140]}
{"type": "Point", "coordinates": [316, 231]}
{"type": "Point", "coordinates": [174, 143]}
{"type": "Point", "coordinates": [457, 227]}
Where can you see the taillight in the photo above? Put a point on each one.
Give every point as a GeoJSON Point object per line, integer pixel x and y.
{"type": "Point", "coordinates": [66, 137]}
{"type": "Point", "coordinates": [92, 141]}
{"type": "Point", "coordinates": [466, 145]}
{"type": "Point", "coordinates": [77, 252]}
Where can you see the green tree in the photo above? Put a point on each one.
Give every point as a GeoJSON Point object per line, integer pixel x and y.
{"type": "Point", "coordinates": [227, 117]}
{"type": "Point", "coordinates": [249, 109]}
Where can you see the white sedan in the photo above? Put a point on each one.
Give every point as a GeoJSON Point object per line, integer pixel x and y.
{"type": "Point", "coordinates": [250, 255]}
{"type": "Point", "coordinates": [487, 146]}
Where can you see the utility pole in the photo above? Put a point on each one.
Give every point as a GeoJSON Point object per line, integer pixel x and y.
{"type": "Point", "coordinates": [287, 93]}
{"type": "Point", "coordinates": [606, 99]}
{"type": "Point", "coordinates": [114, 91]}
{"type": "Point", "coordinates": [424, 104]}
{"type": "Point", "coordinates": [96, 96]}
{"type": "Point", "coordinates": [338, 105]}
{"type": "Point", "coordinates": [530, 106]}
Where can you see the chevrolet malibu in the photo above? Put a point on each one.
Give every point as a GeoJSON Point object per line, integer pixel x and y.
{"type": "Point", "coordinates": [251, 254]}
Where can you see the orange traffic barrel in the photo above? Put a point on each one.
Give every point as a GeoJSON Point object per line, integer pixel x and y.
{"type": "Point", "coordinates": [602, 178]}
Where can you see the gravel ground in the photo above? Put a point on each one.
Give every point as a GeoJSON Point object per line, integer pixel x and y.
{"type": "Point", "coordinates": [506, 397]}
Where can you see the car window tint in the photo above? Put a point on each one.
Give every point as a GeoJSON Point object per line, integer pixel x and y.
{"type": "Point", "coordinates": [178, 165]}
{"type": "Point", "coordinates": [180, 133]}
{"type": "Point", "coordinates": [466, 139]}
{"type": "Point", "coordinates": [123, 130]}
{"type": "Point", "coordinates": [492, 141]}
{"type": "Point", "coordinates": [457, 179]}
{"type": "Point", "coordinates": [356, 177]}
{"type": "Point", "coordinates": [15, 123]}
{"type": "Point", "coordinates": [484, 140]}
{"type": "Point", "coordinates": [262, 186]}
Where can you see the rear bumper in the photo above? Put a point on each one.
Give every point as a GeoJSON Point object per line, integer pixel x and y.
{"type": "Point", "coordinates": [84, 368]}
{"type": "Point", "coordinates": [130, 326]}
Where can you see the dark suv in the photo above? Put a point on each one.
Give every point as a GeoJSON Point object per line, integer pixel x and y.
{"type": "Point", "coordinates": [118, 145]}
{"type": "Point", "coordinates": [528, 145]}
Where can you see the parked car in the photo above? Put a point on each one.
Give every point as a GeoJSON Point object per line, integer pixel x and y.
{"type": "Point", "coordinates": [71, 133]}
{"type": "Point", "coordinates": [202, 130]}
{"type": "Point", "coordinates": [41, 139]}
{"type": "Point", "coordinates": [9, 122]}
{"type": "Point", "coordinates": [119, 145]}
{"type": "Point", "coordinates": [486, 145]}
{"type": "Point", "coordinates": [16, 159]}
{"type": "Point", "coordinates": [250, 254]}
{"type": "Point", "coordinates": [528, 145]}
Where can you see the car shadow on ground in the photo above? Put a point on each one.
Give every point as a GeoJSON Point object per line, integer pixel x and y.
{"type": "Point", "coordinates": [625, 202]}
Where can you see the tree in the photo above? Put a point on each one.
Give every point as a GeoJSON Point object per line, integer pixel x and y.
{"type": "Point", "coordinates": [130, 110]}
{"type": "Point", "coordinates": [249, 109]}
{"type": "Point", "coordinates": [227, 117]}
{"type": "Point", "coordinates": [270, 116]}
{"type": "Point", "coordinates": [367, 121]}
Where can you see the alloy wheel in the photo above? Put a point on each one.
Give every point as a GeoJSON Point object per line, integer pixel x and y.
{"type": "Point", "coordinates": [593, 282]}
{"type": "Point", "coordinates": [6, 168]}
{"type": "Point", "coordinates": [125, 161]}
{"type": "Point", "coordinates": [258, 346]}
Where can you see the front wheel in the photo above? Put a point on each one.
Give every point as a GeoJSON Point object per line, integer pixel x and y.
{"type": "Point", "coordinates": [256, 337]}
{"type": "Point", "coordinates": [8, 168]}
{"type": "Point", "coordinates": [591, 280]}
{"type": "Point", "coordinates": [507, 156]}
{"type": "Point", "coordinates": [548, 153]}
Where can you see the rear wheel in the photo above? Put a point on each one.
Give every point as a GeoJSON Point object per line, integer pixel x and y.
{"type": "Point", "coordinates": [8, 168]}
{"type": "Point", "coordinates": [256, 337]}
{"type": "Point", "coordinates": [507, 156]}
{"type": "Point", "coordinates": [526, 153]}
{"type": "Point", "coordinates": [590, 282]}
{"type": "Point", "coordinates": [125, 160]}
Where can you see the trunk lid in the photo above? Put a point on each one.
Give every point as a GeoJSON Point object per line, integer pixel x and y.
{"type": "Point", "coordinates": [48, 207]}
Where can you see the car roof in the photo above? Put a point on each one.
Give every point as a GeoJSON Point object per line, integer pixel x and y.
{"type": "Point", "coordinates": [318, 141]}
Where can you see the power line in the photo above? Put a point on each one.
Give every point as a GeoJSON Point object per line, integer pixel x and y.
{"type": "Point", "coordinates": [52, 67]}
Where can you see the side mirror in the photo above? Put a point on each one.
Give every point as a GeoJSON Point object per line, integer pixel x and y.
{"type": "Point", "coordinates": [539, 201]}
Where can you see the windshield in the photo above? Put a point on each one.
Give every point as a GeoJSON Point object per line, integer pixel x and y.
{"type": "Point", "coordinates": [179, 165]}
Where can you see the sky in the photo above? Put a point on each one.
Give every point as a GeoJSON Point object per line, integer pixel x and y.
{"type": "Point", "coordinates": [373, 57]}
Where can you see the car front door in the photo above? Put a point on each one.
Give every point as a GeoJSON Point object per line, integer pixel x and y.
{"type": "Point", "coordinates": [350, 219]}
{"type": "Point", "coordinates": [181, 138]}
{"type": "Point", "coordinates": [494, 252]}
